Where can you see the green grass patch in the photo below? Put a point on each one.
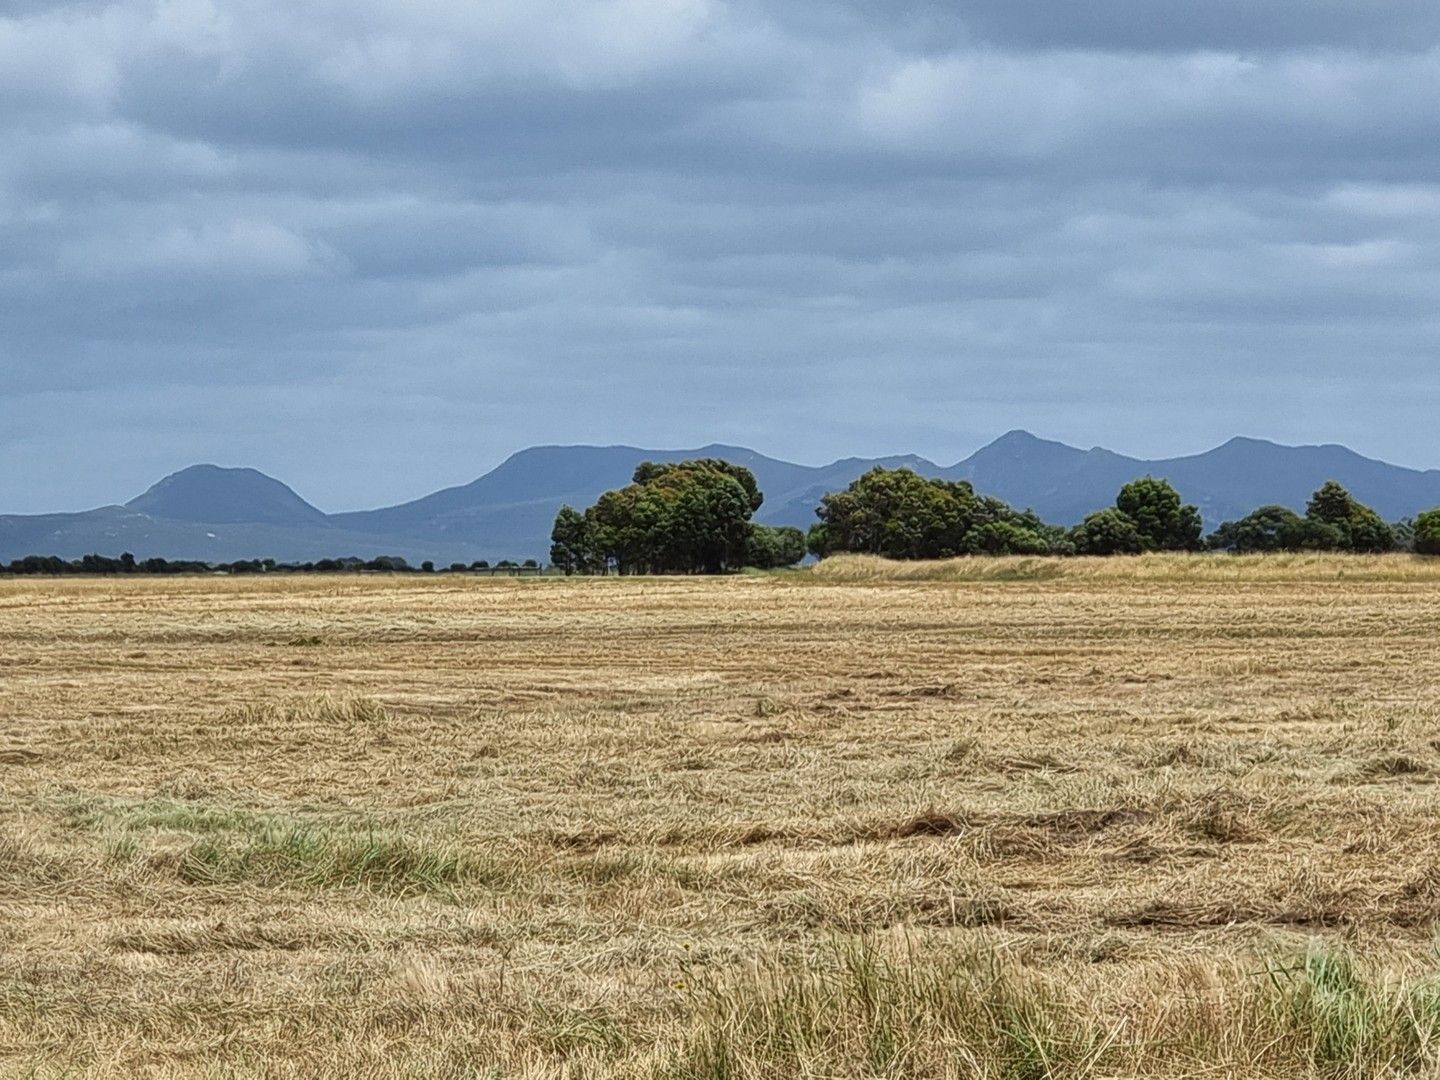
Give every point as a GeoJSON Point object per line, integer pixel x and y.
{"type": "Point", "coordinates": [302, 855]}
{"type": "Point", "coordinates": [868, 1011]}
{"type": "Point", "coordinates": [231, 845]}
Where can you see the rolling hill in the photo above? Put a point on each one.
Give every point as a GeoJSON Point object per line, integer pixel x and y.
{"type": "Point", "coordinates": [208, 493]}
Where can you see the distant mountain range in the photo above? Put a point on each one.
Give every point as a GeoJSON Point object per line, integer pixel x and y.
{"type": "Point", "coordinates": [219, 515]}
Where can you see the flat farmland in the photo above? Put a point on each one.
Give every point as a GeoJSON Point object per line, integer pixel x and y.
{"type": "Point", "coordinates": [1168, 816]}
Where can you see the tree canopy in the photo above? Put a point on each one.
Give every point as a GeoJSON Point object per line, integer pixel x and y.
{"type": "Point", "coordinates": [1148, 515]}
{"type": "Point", "coordinates": [1107, 532]}
{"type": "Point", "coordinates": [1162, 521]}
{"type": "Point", "coordinates": [1360, 528]}
{"type": "Point", "coordinates": [683, 517]}
{"type": "Point", "coordinates": [1334, 521]}
{"type": "Point", "coordinates": [1427, 532]}
{"type": "Point", "coordinates": [1270, 528]}
{"type": "Point", "coordinates": [772, 548]}
{"type": "Point", "coordinates": [902, 515]}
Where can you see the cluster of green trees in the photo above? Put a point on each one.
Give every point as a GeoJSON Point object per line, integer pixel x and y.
{"type": "Point", "coordinates": [687, 517]}
{"type": "Point", "coordinates": [694, 517]}
{"type": "Point", "coordinates": [1334, 521]}
{"type": "Point", "coordinates": [902, 515]}
{"type": "Point", "coordinates": [1148, 515]}
{"type": "Point", "coordinates": [898, 514]}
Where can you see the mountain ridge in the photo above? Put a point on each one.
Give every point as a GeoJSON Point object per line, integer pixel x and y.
{"type": "Point", "coordinates": [221, 514]}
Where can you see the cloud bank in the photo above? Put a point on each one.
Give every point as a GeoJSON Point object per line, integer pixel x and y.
{"type": "Point", "coordinates": [374, 246]}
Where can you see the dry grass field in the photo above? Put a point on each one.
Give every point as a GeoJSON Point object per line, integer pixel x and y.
{"type": "Point", "coordinates": [1165, 817]}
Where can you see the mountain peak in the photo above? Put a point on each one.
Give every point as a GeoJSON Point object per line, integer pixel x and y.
{"type": "Point", "coordinates": [210, 493]}
{"type": "Point", "coordinates": [1021, 446]}
{"type": "Point", "coordinates": [1019, 437]}
{"type": "Point", "coordinates": [1248, 442]}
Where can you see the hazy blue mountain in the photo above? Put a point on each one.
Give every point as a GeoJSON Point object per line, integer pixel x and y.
{"type": "Point", "coordinates": [1059, 482]}
{"type": "Point", "coordinates": [515, 503]}
{"type": "Point", "coordinates": [218, 514]}
{"type": "Point", "coordinates": [1233, 479]}
{"type": "Point", "coordinates": [1063, 484]}
{"type": "Point", "coordinates": [208, 493]}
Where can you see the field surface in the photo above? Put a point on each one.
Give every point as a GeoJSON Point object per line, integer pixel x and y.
{"type": "Point", "coordinates": [1155, 817]}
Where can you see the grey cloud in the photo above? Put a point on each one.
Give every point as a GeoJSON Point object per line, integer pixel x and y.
{"type": "Point", "coordinates": [1138, 25]}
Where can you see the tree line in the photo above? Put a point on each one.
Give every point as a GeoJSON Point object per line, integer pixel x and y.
{"type": "Point", "coordinates": [54, 566]}
{"type": "Point", "coordinates": [695, 517]}
{"type": "Point", "coordinates": [900, 515]}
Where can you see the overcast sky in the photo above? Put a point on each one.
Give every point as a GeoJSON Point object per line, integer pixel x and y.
{"type": "Point", "coordinates": [373, 246]}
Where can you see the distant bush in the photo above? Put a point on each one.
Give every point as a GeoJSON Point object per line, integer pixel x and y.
{"type": "Point", "coordinates": [1268, 529]}
{"type": "Point", "coordinates": [1427, 532]}
{"type": "Point", "coordinates": [771, 548]}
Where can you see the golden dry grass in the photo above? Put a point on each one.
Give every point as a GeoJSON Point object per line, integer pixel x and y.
{"type": "Point", "coordinates": [1179, 821]}
{"type": "Point", "coordinates": [1314, 568]}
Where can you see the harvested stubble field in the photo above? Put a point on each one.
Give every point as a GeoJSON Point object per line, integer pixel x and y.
{"type": "Point", "coordinates": [1157, 817]}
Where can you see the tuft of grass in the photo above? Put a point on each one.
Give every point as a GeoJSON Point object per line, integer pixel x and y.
{"type": "Point", "coordinates": [865, 1010]}
{"type": "Point", "coordinates": [1349, 1023]}
{"type": "Point", "coordinates": [25, 864]}
{"type": "Point", "coordinates": [1395, 765]}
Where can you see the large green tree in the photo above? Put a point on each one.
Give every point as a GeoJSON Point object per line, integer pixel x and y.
{"type": "Point", "coordinates": [901, 515]}
{"type": "Point", "coordinates": [674, 518]}
{"type": "Point", "coordinates": [1148, 515]}
{"type": "Point", "coordinates": [1360, 528]}
{"type": "Point", "coordinates": [1162, 521]}
{"type": "Point", "coordinates": [1334, 521]}
{"type": "Point", "coordinates": [570, 547]}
